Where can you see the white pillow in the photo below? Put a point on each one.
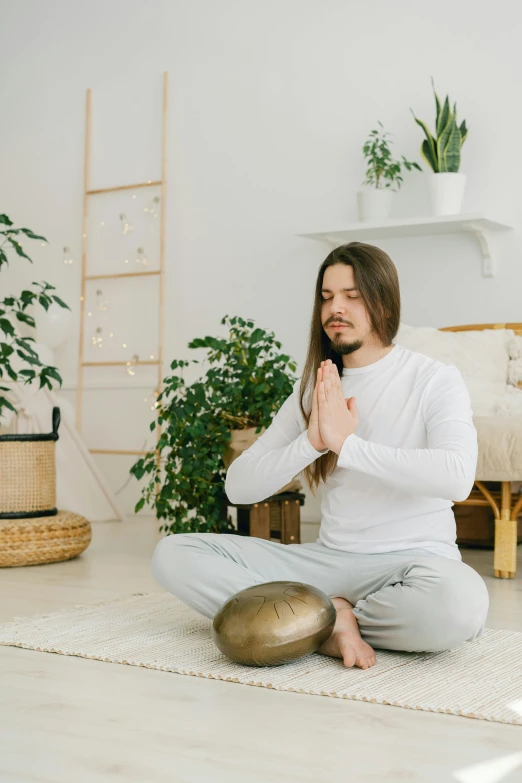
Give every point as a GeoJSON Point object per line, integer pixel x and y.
{"type": "Point", "coordinates": [482, 355]}
{"type": "Point", "coordinates": [515, 362]}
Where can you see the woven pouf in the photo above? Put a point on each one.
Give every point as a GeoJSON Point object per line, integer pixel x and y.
{"type": "Point", "coordinates": [43, 540]}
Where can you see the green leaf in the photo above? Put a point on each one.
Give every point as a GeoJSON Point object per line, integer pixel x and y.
{"type": "Point", "coordinates": [428, 148]}
{"type": "Point", "coordinates": [19, 249]}
{"type": "Point", "coordinates": [27, 297]}
{"type": "Point", "coordinates": [452, 151]}
{"type": "Point", "coordinates": [437, 103]}
{"type": "Point", "coordinates": [60, 302]}
{"type": "Point", "coordinates": [7, 327]}
{"type": "Point", "coordinates": [29, 358]}
{"type": "Point", "coordinates": [25, 318]}
{"type": "Point", "coordinates": [429, 155]}
{"type": "Point", "coordinates": [4, 403]}
{"type": "Point", "coordinates": [32, 235]}
{"type": "Point", "coordinates": [444, 117]}
{"type": "Point", "coordinates": [5, 220]}
{"type": "Point", "coordinates": [53, 373]}
{"type": "Point", "coordinates": [442, 141]}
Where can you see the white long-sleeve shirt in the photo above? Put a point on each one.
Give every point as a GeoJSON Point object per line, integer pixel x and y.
{"type": "Point", "coordinates": [414, 452]}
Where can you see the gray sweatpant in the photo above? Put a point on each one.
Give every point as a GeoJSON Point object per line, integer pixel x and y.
{"type": "Point", "coordinates": [409, 600]}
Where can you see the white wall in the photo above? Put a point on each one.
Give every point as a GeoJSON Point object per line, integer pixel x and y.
{"type": "Point", "coordinates": [270, 104]}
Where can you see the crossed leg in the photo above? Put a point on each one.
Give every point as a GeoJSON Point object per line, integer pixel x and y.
{"type": "Point", "coordinates": [407, 600]}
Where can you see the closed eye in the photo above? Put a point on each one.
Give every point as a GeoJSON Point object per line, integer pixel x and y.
{"type": "Point", "coordinates": [327, 298]}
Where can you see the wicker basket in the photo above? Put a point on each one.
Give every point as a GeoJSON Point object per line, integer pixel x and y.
{"type": "Point", "coordinates": [47, 540]}
{"type": "Point", "coordinates": [28, 474]}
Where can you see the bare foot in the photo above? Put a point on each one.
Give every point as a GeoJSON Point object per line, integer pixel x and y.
{"type": "Point", "coordinates": [345, 641]}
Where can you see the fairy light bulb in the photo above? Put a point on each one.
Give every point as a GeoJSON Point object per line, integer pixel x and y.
{"type": "Point", "coordinates": [153, 208]}
{"type": "Point", "coordinates": [101, 301]}
{"type": "Point", "coordinates": [97, 339]}
{"type": "Point", "coordinates": [126, 226]}
{"type": "Point", "coordinates": [130, 365]}
{"type": "Point", "coordinates": [142, 257]}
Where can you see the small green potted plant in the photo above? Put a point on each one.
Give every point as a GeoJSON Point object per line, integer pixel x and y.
{"type": "Point", "coordinates": [383, 176]}
{"type": "Point", "coordinates": [205, 425]}
{"type": "Point", "coordinates": [442, 152]}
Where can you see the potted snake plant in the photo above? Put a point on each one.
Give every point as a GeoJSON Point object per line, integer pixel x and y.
{"type": "Point", "coordinates": [442, 152]}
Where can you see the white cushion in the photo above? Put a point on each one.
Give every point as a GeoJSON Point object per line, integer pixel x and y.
{"type": "Point", "coordinates": [482, 356]}
{"type": "Point", "coordinates": [486, 359]}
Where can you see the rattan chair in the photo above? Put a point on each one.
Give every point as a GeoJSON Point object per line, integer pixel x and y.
{"type": "Point", "coordinates": [505, 554]}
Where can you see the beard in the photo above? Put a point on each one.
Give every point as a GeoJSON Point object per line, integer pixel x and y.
{"type": "Point", "coordinates": [344, 348]}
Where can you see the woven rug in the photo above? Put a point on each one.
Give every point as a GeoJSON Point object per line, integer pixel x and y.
{"type": "Point", "coordinates": [481, 679]}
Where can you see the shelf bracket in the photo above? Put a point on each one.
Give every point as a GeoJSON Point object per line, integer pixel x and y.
{"type": "Point", "coordinates": [489, 266]}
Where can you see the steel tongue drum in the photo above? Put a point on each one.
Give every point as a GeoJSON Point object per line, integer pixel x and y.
{"type": "Point", "coordinates": [273, 623]}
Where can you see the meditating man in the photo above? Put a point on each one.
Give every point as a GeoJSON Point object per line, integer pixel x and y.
{"type": "Point", "coordinates": [389, 434]}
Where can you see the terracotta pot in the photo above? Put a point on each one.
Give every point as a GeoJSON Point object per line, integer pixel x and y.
{"type": "Point", "coordinates": [241, 440]}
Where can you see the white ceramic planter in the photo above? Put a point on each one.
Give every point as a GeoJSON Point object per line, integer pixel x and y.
{"type": "Point", "coordinates": [374, 203]}
{"type": "Point", "coordinates": [446, 190]}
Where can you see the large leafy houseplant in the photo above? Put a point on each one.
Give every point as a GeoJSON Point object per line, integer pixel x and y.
{"type": "Point", "coordinates": [442, 151]}
{"type": "Point", "coordinates": [16, 351]}
{"type": "Point", "coordinates": [247, 381]}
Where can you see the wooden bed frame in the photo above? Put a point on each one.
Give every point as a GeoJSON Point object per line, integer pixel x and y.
{"type": "Point", "coordinates": [505, 554]}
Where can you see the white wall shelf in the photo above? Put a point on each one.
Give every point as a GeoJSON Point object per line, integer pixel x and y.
{"type": "Point", "coordinates": [483, 228]}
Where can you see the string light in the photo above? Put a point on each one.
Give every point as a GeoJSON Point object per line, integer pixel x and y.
{"type": "Point", "coordinates": [132, 364]}
{"type": "Point", "coordinates": [142, 257]}
{"type": "Point", "coordinates": [97, 339]}
{"type": "Point", "coordinates": [126, 225]}
{"type": "Point", "coordinates": [152, 210]}
{"type": "Point", "coordinates": [148, 400]}
{"type": "Point", "coordinates": [102, 303]}
{"type": "Point", "coordinates": [66, 258]}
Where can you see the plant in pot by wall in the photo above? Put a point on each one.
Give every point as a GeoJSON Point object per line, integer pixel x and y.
{"type": "Point", "coordinates": [442, 152]}
{"type": "Point", "coordinates": [382, 175]}
{"type": "Point", "coordinates": [18, 359]}
{"type": "Point", "coordinates": [206, 425]}
{"type": "Point", "coordinates": [27, 474]}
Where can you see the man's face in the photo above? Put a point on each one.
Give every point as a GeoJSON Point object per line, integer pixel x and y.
{"type": "Point", "coordinates": [343, 313]}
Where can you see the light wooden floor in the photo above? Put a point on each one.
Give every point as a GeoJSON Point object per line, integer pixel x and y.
{"type": "Point", "coordinates": [73, 720]}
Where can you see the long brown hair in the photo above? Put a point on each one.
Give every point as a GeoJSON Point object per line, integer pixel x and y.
{"type": "Point", "coordinates": [375, 275]}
